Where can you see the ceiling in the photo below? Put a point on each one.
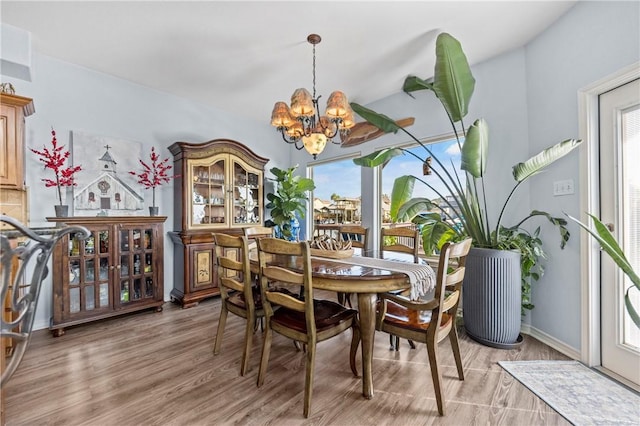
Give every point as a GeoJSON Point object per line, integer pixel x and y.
{"type": "Point", "coordinates": [243, 56]}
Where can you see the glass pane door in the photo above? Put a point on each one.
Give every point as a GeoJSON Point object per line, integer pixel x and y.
{"type": "Point", "coordinates": [89, 272]}
{"type": "Point", "coordinates": [247, 195]}
{"type": "Point", "coordinates": [208, 192]}
{"type": "Point", "coordinates": [620, 210]}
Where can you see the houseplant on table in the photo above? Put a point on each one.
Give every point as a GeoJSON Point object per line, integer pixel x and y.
{"type": "Point", "coordinates": [153, 175]}
{"type": "Point", "coordinates": [54, 159]}
{"type": "Point", "coordinates": [288, 202]}
{"type": "Point", "coordinates": [492, 307]}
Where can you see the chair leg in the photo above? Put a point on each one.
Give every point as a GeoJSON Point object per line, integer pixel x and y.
{"type": "Point", "coordinates": [266, 349]}
{"type": "Point", "coordinates": [248, 338]}
{"type": "Point", "coordinates": [221, 323]}
{"type": "Point", "coordinates": [453, 338]}
{"type": "Point", "coordinates": [355, 342]}
{"type": "Point", "coordinates": [394, 342]}
{"type": "Point", "coordinates": [432, 350]}
{"type": "Point", "coordinates": [308, 380]}
{"type": "Point", "coordinates": [413, 345]}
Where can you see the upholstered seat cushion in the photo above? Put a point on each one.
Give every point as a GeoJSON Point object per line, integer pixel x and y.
{"type": "Point", "coordinates": [237, 299]}
{"type": "Point", "coordinates": [327, 314]}
{"type": "Point", "coordinates": [411, 319]}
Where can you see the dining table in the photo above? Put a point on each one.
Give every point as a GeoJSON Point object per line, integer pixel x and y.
{"type": "Point", "coordinates": [349, 275]}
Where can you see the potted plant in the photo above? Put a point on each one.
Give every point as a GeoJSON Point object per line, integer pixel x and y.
{"type": "Point", "coordinates": [153, 175]}
{"type": "Point", "coordinates": [288, 202]}
{"type": "Point", "coordinates": [491, 307]}
{"type": "Point", "coordinates": [54, 159]}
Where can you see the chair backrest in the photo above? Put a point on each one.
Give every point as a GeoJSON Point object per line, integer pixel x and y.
{"type": "Point", "coordinates": [357, 234]}
{"type": "Point", "coordinates": [401, 240]}
{"type": "Point", "coordinates": [254, 232]}
{"type": "Point", "coordinates": [449, 282]}
{"type": "Point", "coordinates": [20, 287]}
{"type": "Point", "coordinates": [234, 272]}
{"type": "Point", "coordinates": [299, 274]}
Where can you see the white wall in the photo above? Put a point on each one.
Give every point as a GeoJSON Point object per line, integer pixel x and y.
{"type": "Point", "coordinates": [591, 41]}
{"type": "Point", "coordinates": [71, 98]}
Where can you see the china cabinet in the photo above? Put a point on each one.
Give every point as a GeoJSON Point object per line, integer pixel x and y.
{"type": "Point", "coordinates": [220, 189]}
{"type": "Point", "coordinates": [117, 270]}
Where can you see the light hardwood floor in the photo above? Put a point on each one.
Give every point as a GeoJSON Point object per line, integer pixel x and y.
{"type": "Point", "coordinates": [154, 368]}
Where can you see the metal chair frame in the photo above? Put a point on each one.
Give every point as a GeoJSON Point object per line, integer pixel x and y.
{"type": "Point", "coordinates": [23, 307]}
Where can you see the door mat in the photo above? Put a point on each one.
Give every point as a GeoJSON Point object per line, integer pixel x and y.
{"type": "Point", "coordinates": [581, 395]}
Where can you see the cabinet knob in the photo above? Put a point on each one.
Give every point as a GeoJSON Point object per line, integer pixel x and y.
{"type": "Point", "coordinates": [118, 266]}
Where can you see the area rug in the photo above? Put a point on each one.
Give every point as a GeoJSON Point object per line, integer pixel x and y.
{"type": "Point", "coordinates": [579, 394]}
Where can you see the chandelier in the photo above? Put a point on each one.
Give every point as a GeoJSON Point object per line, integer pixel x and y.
{"type": "Point", "coordinates": [302, 121]}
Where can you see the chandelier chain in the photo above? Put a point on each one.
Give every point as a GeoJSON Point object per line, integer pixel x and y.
{"type": "Point", "coordinates": [314, 71]}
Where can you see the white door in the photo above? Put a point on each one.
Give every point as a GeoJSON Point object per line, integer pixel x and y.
{"type": "Point", "coordinates": [620, 209]}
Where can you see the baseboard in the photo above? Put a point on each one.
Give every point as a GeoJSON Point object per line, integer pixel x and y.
{"type": "Point", "coordinates": [551, 341]}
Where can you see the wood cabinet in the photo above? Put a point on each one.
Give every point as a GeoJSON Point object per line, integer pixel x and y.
{"type": "Point", "coordinates": [117, 270]}
{"type": "Point", "coordinates": [13, 111]}
{"type": "Point", "coordinates": [220, 189]}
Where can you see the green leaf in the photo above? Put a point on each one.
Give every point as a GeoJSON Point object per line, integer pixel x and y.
{"type": "Point", "coordinates": [378, 157]}
{"type": "Point", "coordinates": [475, 148]}
{"type": "Point", "coordinates": [453, 82]}
{"type": "Point", "coordinates": [402, 191]}
{"type": "Point", "coordinates": [631, 309]}
{"type": "Point", "coordinates": [535, 164]}
{"type": "Point", "coordinates": [381, 121]}
{"type": "Point", "coordinates": [413, 84]}
{"type": "Point", "coordinates": [610, 246]}
{"type": "Point", "coordinates": [413, 207]}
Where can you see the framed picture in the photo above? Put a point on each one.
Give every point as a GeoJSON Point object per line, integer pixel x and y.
{"type": "Point", "coordinates": [104, 186]}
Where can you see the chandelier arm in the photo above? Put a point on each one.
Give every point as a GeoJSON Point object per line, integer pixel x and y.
{"type": "Point", "coordinates": [294, 141]}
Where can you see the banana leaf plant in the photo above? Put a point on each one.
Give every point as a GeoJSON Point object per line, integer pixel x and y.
{"type": "Point", "coordinates": [609, 244]}
{"type": "Point", "coordinates": [461, 209]}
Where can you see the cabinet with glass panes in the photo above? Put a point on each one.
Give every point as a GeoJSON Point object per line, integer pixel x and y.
{"type": "Point", "coordinates": [220, 189]}
{"type": "Point", "coordinates": [116, 270]}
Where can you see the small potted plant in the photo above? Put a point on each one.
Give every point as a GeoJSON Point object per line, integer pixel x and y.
{"type": "Point", "coordinates": [54, 159]}
{"type": "Point", "coordinates": [153, 175]}
{"type": "Point", "coordinates": [290, 198]}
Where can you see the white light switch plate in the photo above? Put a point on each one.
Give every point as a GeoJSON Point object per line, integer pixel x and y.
{"type": "Point", "coordinates": [563, 187]}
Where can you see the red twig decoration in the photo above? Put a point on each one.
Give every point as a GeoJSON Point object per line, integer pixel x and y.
{"type": "Point", "coordinates": [154, 174]}
{"type": "Point", "coordinates": [54, 159]}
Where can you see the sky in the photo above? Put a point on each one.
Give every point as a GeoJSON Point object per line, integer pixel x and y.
{"type": "Point", "coordinates": [348, 183]}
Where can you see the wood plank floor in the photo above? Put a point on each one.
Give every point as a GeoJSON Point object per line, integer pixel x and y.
{"type": "Point", "coordinates": [153, 368]}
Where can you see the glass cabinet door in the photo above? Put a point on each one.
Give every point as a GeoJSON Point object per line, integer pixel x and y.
{"type": "Point", "coordinates": [247, 194]}
{"type": "Point", "coordinates": [136, 265]}
{"type": "Point", "coordinates": [89, 272]}
{"type": "Point", "coordinates": [208, 192]}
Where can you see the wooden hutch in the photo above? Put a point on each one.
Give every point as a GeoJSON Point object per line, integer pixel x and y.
{"type": "Point", "coordinates": [220, 189]}
{"type": "Point", "coordinates": [13, 193]}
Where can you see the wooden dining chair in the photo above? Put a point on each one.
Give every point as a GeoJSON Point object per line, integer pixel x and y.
{"type": "Point", "coordinates": [306, 320]}
{"type": "Point", "coordinates": [237, 292]}
{"type": "Point", "coordinates": [254, 232]}
{"type": "Point", "coordinates": [431, 321]}
{"type": "Point", "coordinates": [358, 235]}
{"type": "Point", "coordinates": [400, 240]}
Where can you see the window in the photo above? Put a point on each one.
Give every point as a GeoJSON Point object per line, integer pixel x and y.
{"type": "Point", "coordinates": [446, 151]}
{"type": "Point", "coordinates": [336, 199]}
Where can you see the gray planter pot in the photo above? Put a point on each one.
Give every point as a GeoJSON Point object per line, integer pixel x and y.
{"type": "Point", "coordinates": [492, 297]}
